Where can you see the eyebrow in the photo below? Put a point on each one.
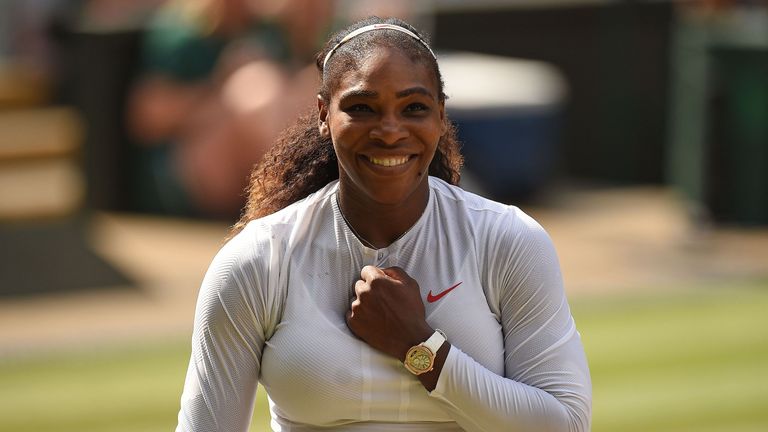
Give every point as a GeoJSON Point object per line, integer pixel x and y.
{"type": "Point", "coordinates": [373, 95]}
{"type": "Point", "coordinates": [413, 90]}
{"type": "Point", "coordinates": [359, 93]}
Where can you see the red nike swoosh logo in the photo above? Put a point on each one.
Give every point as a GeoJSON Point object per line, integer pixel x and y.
{"type": "Point", "coordinates": [433, 298]}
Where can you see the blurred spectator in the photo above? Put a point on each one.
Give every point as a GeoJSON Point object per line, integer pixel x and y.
{"type": "Point", "coordinates": [221, 78]}
{"type": "Point", "coordinates": [25, 51]}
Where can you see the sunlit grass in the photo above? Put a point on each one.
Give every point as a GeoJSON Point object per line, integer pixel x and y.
{"type": "Point", "coordinates": [689, 360]}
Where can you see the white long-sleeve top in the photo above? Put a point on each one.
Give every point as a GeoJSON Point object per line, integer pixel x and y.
{"type": "Point", "coordinates": [272, 307]}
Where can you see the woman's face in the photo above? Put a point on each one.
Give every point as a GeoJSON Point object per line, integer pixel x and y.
{"type": "Point", "coordinates": [385, 119]}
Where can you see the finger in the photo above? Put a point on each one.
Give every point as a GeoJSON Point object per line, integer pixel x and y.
{"type": "Point", "coordinates": [360, 287]}
{"type": "Point", "coordinates": [369, 272]}
{"type": "Point", "coordinates": [350, 316]}
{"type": "Point", "coordinates": [397, 273]}
{"type": "Point", "coordinates": [349, 319]}
{"type": "Point", "coordinates": [352, 324]}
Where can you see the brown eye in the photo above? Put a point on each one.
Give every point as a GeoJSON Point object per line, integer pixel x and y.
{"type": "Point", "coordinates": [358, 108]}
{"type": "Point", "coordinates": [416, 107]}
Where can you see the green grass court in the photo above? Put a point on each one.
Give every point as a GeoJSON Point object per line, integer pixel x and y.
{"type": "Point", "coordinates": [690, 360]}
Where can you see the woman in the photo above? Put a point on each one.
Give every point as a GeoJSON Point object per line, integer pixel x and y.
{"type": "Point", "coordinates": [355, 248]}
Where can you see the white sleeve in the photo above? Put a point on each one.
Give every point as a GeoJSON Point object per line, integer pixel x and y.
{"type": "Point", "coordinates": [232, 318]}
{"type": "Point", "coordinates": [546, 385]}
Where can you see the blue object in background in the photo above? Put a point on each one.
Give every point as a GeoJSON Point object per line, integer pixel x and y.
{"type": "Point", "coordinates": [508, 112]}
{"type": "Point", "coordinates": [510, 154]}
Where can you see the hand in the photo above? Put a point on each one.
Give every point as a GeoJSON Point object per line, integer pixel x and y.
{"type": "Point", "coordinates": [387, 312]}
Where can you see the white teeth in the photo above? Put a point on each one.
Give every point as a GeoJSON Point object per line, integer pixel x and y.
{"type": "Point", "coordinates": [389, 162]}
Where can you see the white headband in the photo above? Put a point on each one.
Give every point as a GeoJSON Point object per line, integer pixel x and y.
{"type": "Point", "coordinates": [368, 28]}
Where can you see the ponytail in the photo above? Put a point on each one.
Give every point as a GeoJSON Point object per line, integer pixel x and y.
{"type": "Point", "coordinates": [300, 162]}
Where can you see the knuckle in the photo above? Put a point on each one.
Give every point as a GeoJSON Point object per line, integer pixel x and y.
{"type": "Point", "coordinates": [364, 294]}
{"type": "Point", "coordinates": [355, 307]}
{"type": "Point", "coordinates": [368, 271]}
{"type": "Point", "coordinates": [360, 287]}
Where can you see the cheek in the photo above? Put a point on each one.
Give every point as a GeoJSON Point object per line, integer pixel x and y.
{"type": "Point", "coordinates": [344, 157]}
{"type": "Point", "coordinates": [432, 137]}
{"type": "Point", "coordinates": [342, 132]}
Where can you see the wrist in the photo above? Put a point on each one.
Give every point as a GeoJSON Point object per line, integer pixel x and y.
{"type": "Point", "coordinates": [420, 358]}
{"type": "Point", "coordinates": [417, 337]}
{"type": "Point", "coordinates": [429, 379]}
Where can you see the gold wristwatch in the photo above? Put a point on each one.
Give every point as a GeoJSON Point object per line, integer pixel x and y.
{"type": "Point", "coordinates": [421, 358]}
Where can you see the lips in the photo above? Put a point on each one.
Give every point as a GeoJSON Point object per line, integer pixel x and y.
{"type": "Point", "coordinates": [390, 161]}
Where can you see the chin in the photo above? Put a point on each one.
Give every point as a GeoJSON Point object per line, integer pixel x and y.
{"type": "Point", "coordinates": [389, 195]}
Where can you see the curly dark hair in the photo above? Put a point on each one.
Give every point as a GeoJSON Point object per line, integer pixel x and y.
{"type": "Point", "coordinates": [302, 161]}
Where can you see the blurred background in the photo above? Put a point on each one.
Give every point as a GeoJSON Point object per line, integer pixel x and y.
{"type": "Point", "coordinates": [636, 132]}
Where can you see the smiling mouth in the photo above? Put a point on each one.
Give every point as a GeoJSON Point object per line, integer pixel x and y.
{"type": "Point", "coordinates": [389, 161]}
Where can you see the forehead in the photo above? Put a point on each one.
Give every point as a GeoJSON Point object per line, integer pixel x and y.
{"type": "Point", "coordinates": [387, 69]}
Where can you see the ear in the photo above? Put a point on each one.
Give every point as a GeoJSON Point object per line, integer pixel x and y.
{"type": "Point", "coordinates": [322, 118]}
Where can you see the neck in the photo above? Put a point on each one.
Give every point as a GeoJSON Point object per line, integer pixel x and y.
{"type": "Point", "coordinates": [378, 225]}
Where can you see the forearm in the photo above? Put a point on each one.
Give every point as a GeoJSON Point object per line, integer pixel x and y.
{"type": "Point", "coordinates": [480, 400]}
{"type": "Point", "coordinates": [545, 384]}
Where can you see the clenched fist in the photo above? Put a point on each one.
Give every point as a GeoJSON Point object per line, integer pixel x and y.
{"type": "Point", "coordinates": [387, 312]}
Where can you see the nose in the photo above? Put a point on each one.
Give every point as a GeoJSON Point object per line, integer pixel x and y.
{"type": "Point", "coordinates": [389, 130]}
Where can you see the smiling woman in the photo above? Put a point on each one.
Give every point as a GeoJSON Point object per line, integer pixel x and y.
{"type": "Point", "coordinates": [384, 119]}
{"type": "Point", "coordinates": [366, 291]}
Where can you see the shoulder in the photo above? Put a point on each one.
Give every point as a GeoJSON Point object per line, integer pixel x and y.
{"type": "Point", "coordinates": [274, 232]}
{"type": "Point", "coordinates": [244, 278]}
{"type": "Point", "coordinates": [491, 216]}
{"type": "Point", "coordinates": [299, 213]}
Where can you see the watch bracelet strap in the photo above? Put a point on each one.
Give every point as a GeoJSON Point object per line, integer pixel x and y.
{"type": "Point", "coordinates": [435, 341]}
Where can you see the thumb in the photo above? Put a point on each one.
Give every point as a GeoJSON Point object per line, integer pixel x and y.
{"type": "Point", "coordinates": [396, 273]}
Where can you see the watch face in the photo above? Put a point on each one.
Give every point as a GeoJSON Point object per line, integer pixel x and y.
{"type": "Point", "coordinates": [419, 360]}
